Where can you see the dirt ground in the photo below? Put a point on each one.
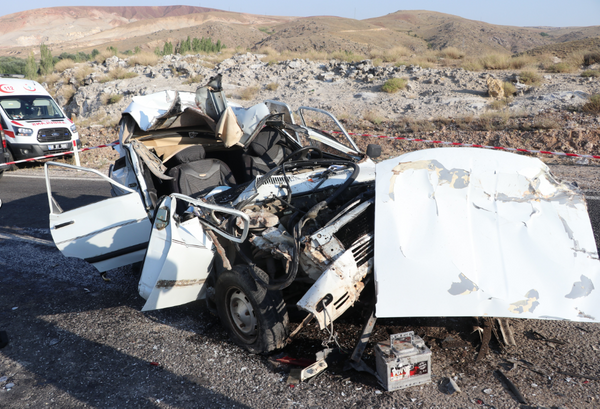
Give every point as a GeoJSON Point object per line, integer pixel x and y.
{"type": "Point", "coordinates": [76, 340]}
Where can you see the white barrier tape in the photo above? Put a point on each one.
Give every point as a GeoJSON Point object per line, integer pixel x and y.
{"type": "Point", "coordinates": [472, 145]}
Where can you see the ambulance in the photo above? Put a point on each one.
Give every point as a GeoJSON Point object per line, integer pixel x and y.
{"type": "Point", "coordinates": [33, 123]}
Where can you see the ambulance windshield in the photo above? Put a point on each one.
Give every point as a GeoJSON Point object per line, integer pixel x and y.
{"type": "Point", "coordinates": [30, 107]}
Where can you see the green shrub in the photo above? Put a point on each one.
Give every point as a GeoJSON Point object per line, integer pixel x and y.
{"type": "Point", "coordinates": [394, 85]}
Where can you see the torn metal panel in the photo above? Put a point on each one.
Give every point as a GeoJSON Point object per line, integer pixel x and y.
{"type": "Point", "coordinates": [336, 290]}
{"type": "Point", "coordinates": [481, 233]}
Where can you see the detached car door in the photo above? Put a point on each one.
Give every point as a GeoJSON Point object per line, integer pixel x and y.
{"type": "Point", "coordinates": [108, 234]}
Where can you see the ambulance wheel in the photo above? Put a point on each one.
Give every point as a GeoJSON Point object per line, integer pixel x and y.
{"type": "Point", "coordinates": [10, 159]}
{"type": "Point", "coordinates": [255, 318]}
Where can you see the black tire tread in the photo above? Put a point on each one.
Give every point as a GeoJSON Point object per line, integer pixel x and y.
{"type": "Point", "coordinates": [269, 307]}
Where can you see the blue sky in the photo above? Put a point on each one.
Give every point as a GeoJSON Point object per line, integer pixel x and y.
{"type": "Point", "coordinates": [556, 13]}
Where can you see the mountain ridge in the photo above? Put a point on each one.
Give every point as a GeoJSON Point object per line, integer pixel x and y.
{"type": "Point", "coordinates": [83, 28]}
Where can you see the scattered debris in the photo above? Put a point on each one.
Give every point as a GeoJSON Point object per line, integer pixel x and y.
{"type": "Point", "coordinates": [485, 341]}
{"type": "Point", "coordinates": [449, 386]}
{"type": "Point", "coordinates": [540, 337]}
{"type": "Point", "coordinates": [574, 375]}
{"type": "Point", "coordinates": [511, 386]}
{"type": "Point", "coordinates": [507, 334]}
{"type": "Point", "coordinates": [303, 362]}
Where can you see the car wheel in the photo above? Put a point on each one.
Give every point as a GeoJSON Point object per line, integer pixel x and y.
{"type": "Point", "coordinates": [10, 159]}
{"type": "Point", "coordinates": [255, 318]}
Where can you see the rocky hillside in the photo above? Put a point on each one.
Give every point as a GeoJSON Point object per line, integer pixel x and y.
{"type": "Point", "coordinates": [71, 29]}
{"type": "Point", "coordinates": [349, 90]}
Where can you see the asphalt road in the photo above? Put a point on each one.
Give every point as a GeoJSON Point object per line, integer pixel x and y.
{"type": "Point", "coordinates": [25, 201]}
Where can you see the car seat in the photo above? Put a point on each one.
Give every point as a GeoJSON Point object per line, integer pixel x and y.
{"type": "Point", "coordinates": [265, 152]}
{"type": "Point", "coordinates": [194, 176]}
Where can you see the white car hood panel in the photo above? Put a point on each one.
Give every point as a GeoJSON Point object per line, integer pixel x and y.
{"type": "Point", "coordinates": [471, 232]}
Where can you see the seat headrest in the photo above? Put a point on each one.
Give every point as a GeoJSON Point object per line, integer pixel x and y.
{"type": "Point", "coordinates": [189, 154]}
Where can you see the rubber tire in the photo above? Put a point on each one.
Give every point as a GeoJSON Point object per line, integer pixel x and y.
{"type": "Point", "coordinates": [268, 306]}
{"type": "Point", "coordinates": [11, 158]}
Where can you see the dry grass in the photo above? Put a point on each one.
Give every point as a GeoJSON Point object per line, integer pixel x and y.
{"type": "Point", "coordinates": [561, 67]}
{"type": "Point", "coordinates": [593, 105]}
{"type": "Point", "coordinates": [249, 93]}
{"type": "Point", "coordinates": [520, 62]}
{"type": "Point", "coordinates": [530, 78]}
{"type": "Point", "coordinates": [82, 71]}
{"type": "Point", "coordinates": [545, 123]}
{"type": "Point", "coordinates": [472, 64]}
{"type": "Point", "coordinates": [391, 55]}
{"type": "Point", "coordinates": [495, 62]}
{"type": "Point", "coordinates": [372, 117]}
{"type": "Point", "coordinates": [509, 89]}
{"type": "Point", "coordinates": [194, 79]}
{"type": "Point", "coordinates": [464, 122]}
{"type": "Point", "coordinates": [419, 125]}
{"type": "Point", "coordinates": [64, 65]}
{"type": "Point", "coordinates": [67, 91]}
{"type": "Point", "coordinates": [50, 79]}
{"type": "Point", "coordinates": [100, 58]}
{"type": "Point", "coordinates": [590, 74]}
{"type": "Point", "coordinates": [144, 58]}
{"type": "Point", "coordinates": [452, 53]}
{"type": "Point", "coordinates": [100, 118]}
{"type": "Point", "coordinates": [394, 85]}
{"type": "Point", "coordinates": [497, 104]}
{"type": "Point", "coordinates": [493, 121]}
{"type": "Point", "coordinates": [117, 73]}
{"type": "Point", "coordinates": [272, 86]}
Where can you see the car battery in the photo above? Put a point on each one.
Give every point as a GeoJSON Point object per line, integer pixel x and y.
{"type": "Point", "coordinates": [403, 361]}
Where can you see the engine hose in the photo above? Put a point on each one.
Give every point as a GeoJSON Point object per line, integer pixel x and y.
{"type": "Point", "coordinates": [297, 232]}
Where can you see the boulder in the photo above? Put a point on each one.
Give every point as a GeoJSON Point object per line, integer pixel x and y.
{"type": "Point", "coordinates": [495, 87]}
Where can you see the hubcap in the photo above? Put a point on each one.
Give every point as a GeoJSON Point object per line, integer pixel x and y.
{"type": "Point", "coordinates": [242, 313]}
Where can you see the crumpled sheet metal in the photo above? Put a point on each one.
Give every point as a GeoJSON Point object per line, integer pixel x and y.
{"type": "Point", "coordinates": [479, 233]}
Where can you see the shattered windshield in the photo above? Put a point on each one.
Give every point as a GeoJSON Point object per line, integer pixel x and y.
{"type": "Point", "coordinates": [30, 107]}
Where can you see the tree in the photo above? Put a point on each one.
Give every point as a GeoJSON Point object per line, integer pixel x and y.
{"type": "Point", "coordinates": [168, 48]}
{"type": "Point", "coordinates": [31, 67]}
{"type": "Point", "coordinates": [46, 60]}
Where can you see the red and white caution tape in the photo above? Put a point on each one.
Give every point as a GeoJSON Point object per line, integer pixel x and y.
{"type": "Point", "coordinates": [55, 155]}
{"type": "Point", "coordinates": [472, 145]}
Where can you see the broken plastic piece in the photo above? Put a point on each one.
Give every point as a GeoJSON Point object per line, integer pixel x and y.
{"type": "Point", "coordinates": [313, 370]}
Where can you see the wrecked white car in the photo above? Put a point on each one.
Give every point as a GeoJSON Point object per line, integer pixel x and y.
{"type": "Point", "coordinates": [251, 211]}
